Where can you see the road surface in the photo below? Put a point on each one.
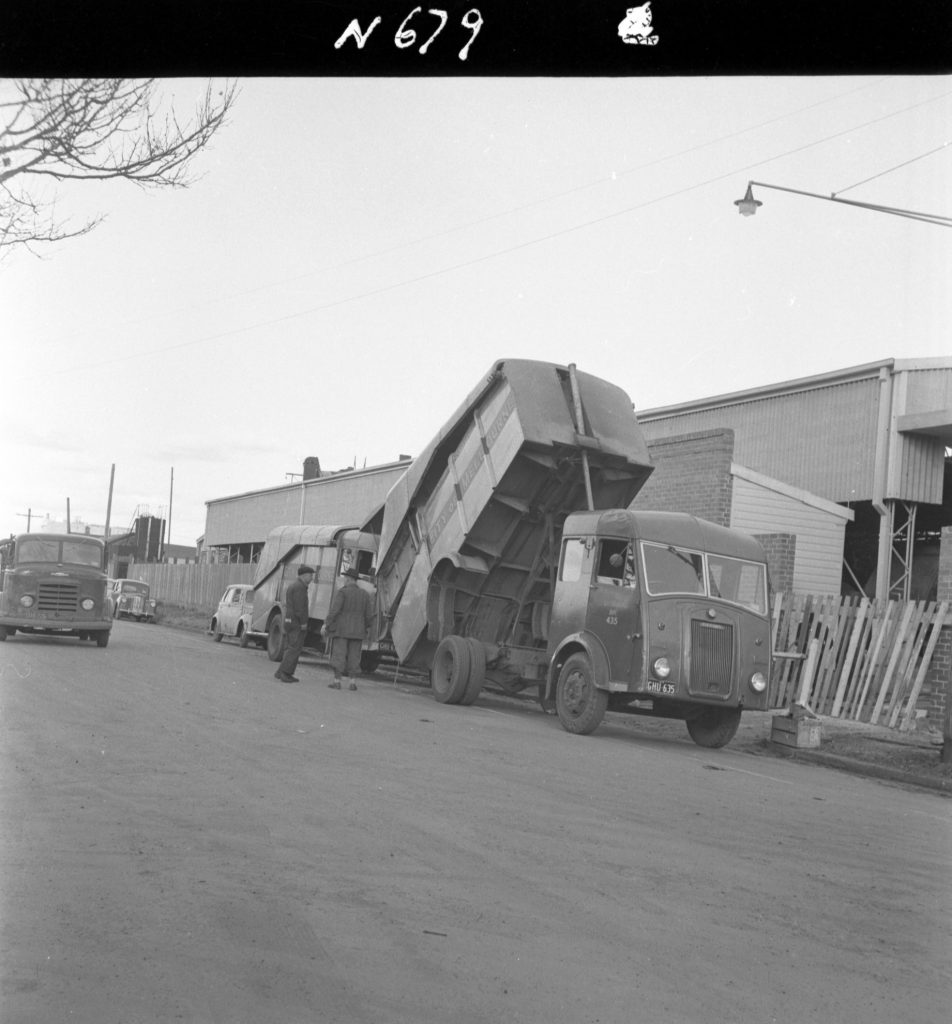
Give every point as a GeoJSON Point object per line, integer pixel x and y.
{"type": "Point", "coordinates": [186, 839]}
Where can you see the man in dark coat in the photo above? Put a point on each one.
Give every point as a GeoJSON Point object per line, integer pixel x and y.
{"type": "Point", "coordinates": [295, 623]}
{"type": "Point", "coordinates": [347, 625]}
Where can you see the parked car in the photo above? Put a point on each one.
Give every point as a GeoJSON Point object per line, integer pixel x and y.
{"type": "Point", "coordinates": [133, 599]}
{"type": "Point", "coordinates": [233, 616]}
{"type": "Point", "coordinates": [111, 597]}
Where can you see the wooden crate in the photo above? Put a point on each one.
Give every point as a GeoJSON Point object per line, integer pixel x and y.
{"type": "Point", "coordinates": [795, 731]}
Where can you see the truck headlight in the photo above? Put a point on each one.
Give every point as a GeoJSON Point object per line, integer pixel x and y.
{"type": "Point", "coordinates": [661, 668]}
{"type": "Point", "coordinates": [27, 600]}
{"type": "Point", "coordinates": [87, 604]}
{"type": "Point", "coordinates": [758, 682]}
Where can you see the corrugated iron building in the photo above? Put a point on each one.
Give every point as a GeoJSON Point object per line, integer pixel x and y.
{"type": "Point", "coordinates": [872, 438]}
{"type": "Point", "coordinates": [236, 526]}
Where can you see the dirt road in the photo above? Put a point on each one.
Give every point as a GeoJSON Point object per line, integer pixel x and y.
{"type": "Point", "coordinates": [185, 839]}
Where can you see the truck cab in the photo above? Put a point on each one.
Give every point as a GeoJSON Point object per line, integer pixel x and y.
{"type": "Point", "coordinates": [658, 613]}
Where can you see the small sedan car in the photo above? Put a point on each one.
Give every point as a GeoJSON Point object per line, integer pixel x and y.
{"type": "Point", "coordinates": [133, 599]}
{"type": "Point", "coordinates": [233, 616]}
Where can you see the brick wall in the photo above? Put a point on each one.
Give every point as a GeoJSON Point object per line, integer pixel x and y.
{"type": "Point", "coordinates": [692, 474]}
{"type": "Point", "coordinates": [781, 551]}
{"type": "Point", "coordinates": [934, 696]}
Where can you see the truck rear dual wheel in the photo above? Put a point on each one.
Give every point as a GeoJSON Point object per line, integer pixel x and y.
{"type": "Point", "coordinates": [369, 661]}
{"type": "Point", "coordinates": [277, 641]}
{"type": "Point", "coordinates": [579, 703]}
{"type": "Point", "coordinates": [477, 672]}
{"type": "Point", "coordinates": [713, 727]}
{"type": "Point", "coordinates": [458, 670]}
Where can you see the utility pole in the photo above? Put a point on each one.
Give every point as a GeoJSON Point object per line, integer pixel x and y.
{"type": "Point", "coordinates": [168, 534]}
{"type": "Point", "coordinates": [28, 516]}
{"type": "Point", "coordinates": [112, 477]}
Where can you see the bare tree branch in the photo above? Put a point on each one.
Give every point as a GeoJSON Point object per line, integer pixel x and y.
{"type": "Point", "coordinates": [55, 130]}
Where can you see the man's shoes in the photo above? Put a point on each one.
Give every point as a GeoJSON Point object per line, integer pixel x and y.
{"type": "Point", "coordinates": [283, 677]}
{"type": "Point", "coordinates": [335, 685]}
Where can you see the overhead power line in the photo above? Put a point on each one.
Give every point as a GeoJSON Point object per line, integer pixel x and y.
{"type": "Point", "coordinates": [383, 289]}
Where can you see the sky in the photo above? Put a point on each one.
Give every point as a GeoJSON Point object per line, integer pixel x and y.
{"type": "Point", "coordinates": [356, 253]}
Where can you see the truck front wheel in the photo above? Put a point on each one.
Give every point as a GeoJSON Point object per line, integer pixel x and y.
{"type": "Point", "coordinates": [579, 703]}
{"type": "Point", "coordinates": [277, 642]}
{"type": "Point", "coordinates": [713, 727]}
{"type": "Point", "coordinates": [102, 638]}
{"type": "Point", "coordinates": [450, 672]}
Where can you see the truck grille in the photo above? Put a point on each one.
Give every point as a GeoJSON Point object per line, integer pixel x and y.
{"type": "Point", "coordinates": [58, 597]}
{"type": "Point", "coordinates": [712, 662]}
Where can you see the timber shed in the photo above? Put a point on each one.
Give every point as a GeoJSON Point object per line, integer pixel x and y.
{"type": "Point", "coordinates": [873, 439]}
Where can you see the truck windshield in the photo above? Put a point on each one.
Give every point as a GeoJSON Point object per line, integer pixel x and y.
{"type": "Point", "coordinates": [671, 570]}
{"type": "Point", "coordinates": [52, 549]}
{"type": "Point", "coordinates": [738, 581]}
{"type": "Point", "coordinates": [135, 588]}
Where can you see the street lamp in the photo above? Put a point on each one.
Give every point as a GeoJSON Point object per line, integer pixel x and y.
{"type": "Point", "coordinates": [747, 206]}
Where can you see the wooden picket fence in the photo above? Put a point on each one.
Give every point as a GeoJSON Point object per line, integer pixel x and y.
{"type": "Point", "coordinates": [188, 585]}
{"type": "Point", "coordinates": [854, 658]}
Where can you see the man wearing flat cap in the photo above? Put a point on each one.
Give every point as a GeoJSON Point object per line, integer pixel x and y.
{"type": "Point", "coordinates": [347, 625]}
{"type": "Point", "coordinates": [295, 623]}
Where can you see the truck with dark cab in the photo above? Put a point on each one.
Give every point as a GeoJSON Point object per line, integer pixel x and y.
{"type": "Point", "coordinates": [54, 584]}
{"type": "Point", "coordinates": [509, 558]}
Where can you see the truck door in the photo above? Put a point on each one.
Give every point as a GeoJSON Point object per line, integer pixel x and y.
{"type": "Point", "coordinates": [614, 605]}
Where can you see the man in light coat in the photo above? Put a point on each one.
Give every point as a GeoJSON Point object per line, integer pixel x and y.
{"type": "Point", "coordinates": [347, 626]}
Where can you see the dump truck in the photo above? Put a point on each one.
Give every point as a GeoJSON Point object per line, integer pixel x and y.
{"type": "Point", "coordinates": [508, 557]}
{"type": "Point", "coordinates": [329, 550]}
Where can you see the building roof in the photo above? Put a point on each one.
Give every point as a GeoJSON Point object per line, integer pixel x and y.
{"type": "Point", "coordinates": [872, 432]}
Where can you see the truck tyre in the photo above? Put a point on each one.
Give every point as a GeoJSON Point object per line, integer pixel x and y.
{"type": "Point", "coordinates": [277, 641]}
{"type": "Point", "coordinates": [579, 703]}
{"type": "Point", "coordinates": [5, 631]}
{"type": "Point", "coordinates": [450, 672]}
{"type": "Point", "coordinates": [216, 631]}
{"type": "Point", "coordinates": [477, 672]}
{"type": "Point", "coordinates": [242, 635]}
{"type": "Point", "coordinates": [102, 638]}
{"type": "Point", "coordinates": [369, 660]}
{"type": "Point", "coordinates": [713, 727]}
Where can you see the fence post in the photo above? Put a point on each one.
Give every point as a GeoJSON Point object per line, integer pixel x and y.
{"type": "Point", "coordinates": [809, 670]}
{"type": "Point", "coordinates": [858, 626]}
